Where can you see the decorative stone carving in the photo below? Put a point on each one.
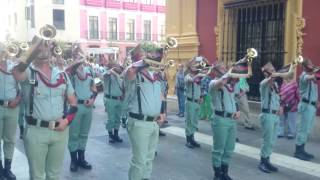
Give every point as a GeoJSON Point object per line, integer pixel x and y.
{"type": "Point", "coordinates": [300, 24]}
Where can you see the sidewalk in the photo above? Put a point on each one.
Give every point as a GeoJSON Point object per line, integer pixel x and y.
{"type": "Point", "coordinates": [254, 110]}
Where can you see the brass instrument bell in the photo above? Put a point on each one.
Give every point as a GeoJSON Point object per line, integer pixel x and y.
{"type": "Point", "coordinates": [48, 32]}
{"type": "Point", "coordinates": [12, 49]}
{"type": "Point", "coordinates": [171, 42]}
{"type": "Point", "coordinates": [251, 53]}
{"type": "Point", "coordinates": [57, 51]}
{"type": "Point", "coordinates": [24, 46]}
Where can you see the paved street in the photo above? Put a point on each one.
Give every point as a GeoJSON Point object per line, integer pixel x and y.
{"type": "Point", "coordinates": [175, 161]}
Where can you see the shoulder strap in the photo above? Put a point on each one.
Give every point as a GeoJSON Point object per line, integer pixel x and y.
{"type": "Point", "coordinates": [222, 100]}
{"type": "Point", "coordinates": [33, 83]}
{"type": "Point", "coordinates": [138, 83]}
{"type": "Point", "coordinates": [65, 104]}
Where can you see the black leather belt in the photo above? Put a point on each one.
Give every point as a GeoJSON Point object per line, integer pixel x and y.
{"type": "Point", "coordinates": [4, 103]}
{"type": "Point", "coordinates": [45, 124]}
{"type": "Point", "coordinates": [112, 97]}
{"type": "Point", "coordinates": [193, 100]}
{"type": "Point", "coordinates": [309, 102]}
{"type": "Point", "coordinates": [269, 111]}
{"type": "Point", "coordinates": [223, 114]}
{"type": "Point", "coordinates": [141, 117]}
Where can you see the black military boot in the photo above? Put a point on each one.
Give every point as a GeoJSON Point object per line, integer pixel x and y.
{"type": "Point", "coordinates": [74, 161]}
{"type": "Point", "coordinates": [263, 166]}
{"type": "Point", "coordinates": [116, 136]}
{"type": "Point", "coordinates": [271, 166]}
{"type": "Point", "coordinates": [189, 144]}
{"type": "Point", "coordinates": [82, 161]}
{"type": "Point", "coordinates": [111, 137]}
{"type": "Point", "coordinates": [1, 171]}
{"type": "Point", "coordinates": [21, 131]}
{"type": "Point", "coordinates": [161, 133]}
{"type": "Point", "coordinates": [300, 154]}
{"type": "Point", "coordinates": [224, 170]}
{"type": "Point", "coordinates": [7, 170]}
{"type": "Point", "coordinates": [307, 154]}
{"type": "Point", "coordinates": [217, 173]}
{"type": "Point", "coordinates": [193, 142]}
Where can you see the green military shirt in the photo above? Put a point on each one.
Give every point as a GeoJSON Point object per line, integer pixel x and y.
{"type": "Point", "coordinates": [193, 90]}
{"type": "Point", "coordinates": [8, 85]}
{"type": "Point", "coordinates": [223, 99]}
{"type": "Point", "coordinates": [112, 84]}
{"type": "Point", "coordinates": [83, 81]}
{"type": "Point", "coordinates": [308, 88]}
{"type": "Point", "coordinates": [150, 95]}
{"type": "Point", "coordinates": [48, 101]}
{"type": "Point", "coordinates": [270, 99]}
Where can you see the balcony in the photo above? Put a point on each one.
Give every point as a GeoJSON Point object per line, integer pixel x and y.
{"type": "Point", "coordinates": [161, 9]}
{"type": "Point", "coordinates": [147, 8]}
{"type": "Point", "coordinates": [124, 36]}
{"type": "Point", "coordinates": [130, 6]}
{"type": "Point", "coordinates": [113, 4]}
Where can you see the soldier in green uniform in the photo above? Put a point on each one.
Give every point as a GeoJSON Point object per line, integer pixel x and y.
{"type": "Point", "coordinates": [307, 108]}
{"type": "Point", "coordinates": [194, 97]}
{"type": "Point", "coordinates": [269, 117]}
{"type": "Point", "coordinates": [223, 123]}
{"type": "Point", "coordinates": [9, 111]}
{"type": "Point", "coordinates": [86, 93]}
{"type": "Point", "coordinates": [47, 126]}
{"type": "Point", "coordinates": [113, 98]}
{"type": "Point", "coordinates": [145, 109]}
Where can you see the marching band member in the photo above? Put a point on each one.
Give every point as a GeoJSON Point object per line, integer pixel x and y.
{"type": "Point", "coordinates": [113, 98]}
{"type": "Point", "coordinates": [86, 92]}
{"type": "Point", "coordinates": [307, 108]}
{"type": "Point", "coordinates": [194, 97]}
{"type": "Point", "coordinates": [47, 125]}
{"type": "Point", "coordinates": [269, 117]}
{"type": "Point", "coordinates": [9, 111]}
{"type": "Point", "coordinates": [143, 95]}
{"type": "Point", "coordinates": [224, 125]}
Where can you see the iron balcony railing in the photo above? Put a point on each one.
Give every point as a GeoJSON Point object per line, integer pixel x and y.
{"type": "Point", "coordinates": [123, 36]}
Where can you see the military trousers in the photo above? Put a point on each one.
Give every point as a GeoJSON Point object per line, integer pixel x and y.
{"type": "Point", "coordinates": [270, 124]}
{"type": "Point", "coordinates": [8, 126]}
{"type": "Point", "coordinates": [45, 152]}
{"type": "Point", "coordinates": [21, 118]}
{"type": "Point", "coordinates": [224, 136]}
{"type": "Point", "coordinates": [114, 109]}
{"type": "Point", "coordinates": [79, 128]}
{"type": "Point", "coordinates": [192, 117]}
{"type": "Point", "coordinates": [144, 138]}
{"type": "Point", "coordinates": [306, 122]}
{"type": "Point", "coordinates": [206, 107]}
{"type": "Point", "coordinates": [245, 112]}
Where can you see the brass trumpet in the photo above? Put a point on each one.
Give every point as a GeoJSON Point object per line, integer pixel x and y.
{"type": "Point", "coordinates": [24, 46]}
{"type": "Point", "coordinates": [48, 32]}
{"type": "Point", "coordinates": [12, 49]}
{"type": "Point", "coordinates": [298, 60]}
{"type": "Point", "coordinates": [251, 53]}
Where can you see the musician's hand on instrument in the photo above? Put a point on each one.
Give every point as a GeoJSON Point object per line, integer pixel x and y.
{"type": "Point", "coordinates": [236, 115]}
{"type": "Point", "coordinates": [63, 123]}
{"type": "Point", "coordinates": [89, 102]}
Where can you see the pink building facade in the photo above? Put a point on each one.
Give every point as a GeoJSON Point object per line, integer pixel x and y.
{"type": "Point", "coordinates": [121, 23]}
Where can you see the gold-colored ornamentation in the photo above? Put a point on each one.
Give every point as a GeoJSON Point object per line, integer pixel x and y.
{"type": "Point", "coordinates": [300, 24]}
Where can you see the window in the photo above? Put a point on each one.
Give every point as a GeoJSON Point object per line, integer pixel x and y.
{"type": "Point", "coordinates": [58, 1]}
{"type": "Point", "coordinates": [113, 31]}
{"type": "Point", "coordinates": [149, 2]}
{"type": "Point", "coordinates": [93, 27]}
{"type": "Point", "coordinates": [32, 16]}
{"type": "Point", "coordinates": [132, 1]}
{"type": "Point", "coordinates": [161, 2]}
{"type": "Point", "coordinates": [130, 29]}
{"type": "Point", "coordinates": [147, 30]}
{"type": "Point", "coordinates": [58, 19]}
{"type": "Point", "coordinates": [162, 31]}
